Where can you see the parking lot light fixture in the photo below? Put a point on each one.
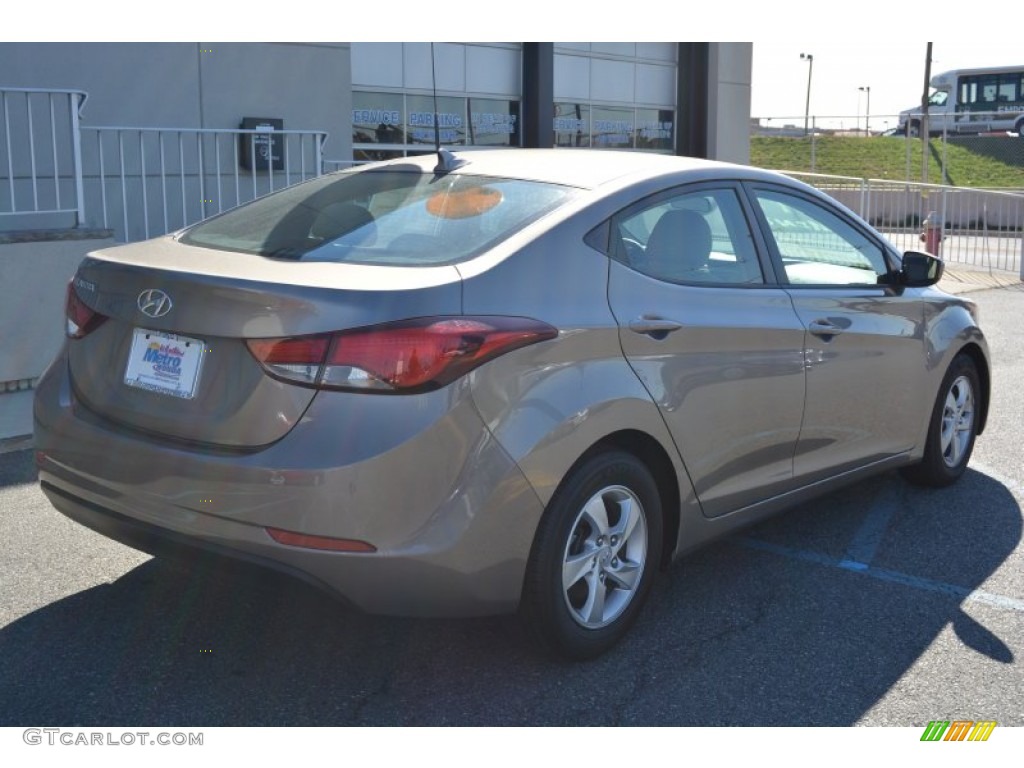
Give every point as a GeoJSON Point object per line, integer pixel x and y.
{"type": "Point", "coordinates": [867, 110]}
{"type": "Point", "coordinates": [809, 58]}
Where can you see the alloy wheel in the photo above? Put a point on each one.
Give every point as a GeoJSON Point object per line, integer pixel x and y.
{"type": "Point", "coordinates": [605, 557]}
{"type": "Point", "coordinates": [957, 421]}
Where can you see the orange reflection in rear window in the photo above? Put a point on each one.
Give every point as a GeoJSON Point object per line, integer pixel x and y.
{"type": "Point", "coordinates": [463, 203]}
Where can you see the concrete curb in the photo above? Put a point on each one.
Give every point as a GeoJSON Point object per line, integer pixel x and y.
{"type": "Point", "coordinates": [12, 444]}
{"type": "Point", "coordinates": [960, 280]}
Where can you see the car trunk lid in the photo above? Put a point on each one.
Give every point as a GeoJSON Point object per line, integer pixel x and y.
{"type": "Point", "coordinates": [171, 358]}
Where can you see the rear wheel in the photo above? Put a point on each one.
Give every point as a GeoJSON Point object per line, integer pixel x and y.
{"type": "Point", "coordinates": [954, 425]}
{"type": "Point", "coordinates": [594, 557]}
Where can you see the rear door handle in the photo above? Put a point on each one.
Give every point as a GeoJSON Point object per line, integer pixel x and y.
{"type": "Point", "coordinates": [656, 327]}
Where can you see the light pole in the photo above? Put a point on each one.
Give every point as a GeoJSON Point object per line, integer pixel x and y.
{"type": "Point", "coordinates": [809, 58]}
{"type": "Point", "coordinates": [867, 111]}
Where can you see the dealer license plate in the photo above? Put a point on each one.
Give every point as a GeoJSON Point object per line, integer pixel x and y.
{"type": "Point", "coordinates": [164, 363]}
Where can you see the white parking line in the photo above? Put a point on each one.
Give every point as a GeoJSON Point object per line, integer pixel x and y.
{"type": "Point", "coordinates": [1012, 485]}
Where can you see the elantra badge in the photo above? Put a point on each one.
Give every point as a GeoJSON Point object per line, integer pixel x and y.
{"type": "Point", "coordinates": [154, 303]}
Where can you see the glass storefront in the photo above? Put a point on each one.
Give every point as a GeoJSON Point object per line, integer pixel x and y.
{"type": "Point", "coordinates": [451, 120]}
{"type": "Point", "coordinates": [387, 125]}
{"type": "Point", "coordinates": [585, 125]}
{"type": "Point", "coordinates": [378, 118]}
{"type": "Point", "coordinates": [655, 129]}
{"type": "Point", "coordinates": [612, 128]}
{"type": "Point", "coordinates": [494, 122]}
{"type": "Point", "coordinates": [572, 125]}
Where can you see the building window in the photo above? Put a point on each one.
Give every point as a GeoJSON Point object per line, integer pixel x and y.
{"type": "Point", "coordinates": [451, 120]}
{"type": "Point", "coordinates": [388, 125]}
{"type": "Point", "coordinates": [572, 125]}
{"type": "Point", "coordinates": [494, 122]}
{"type": "Point", "coordinates": [378, 118]}
{"type": "Point", "coordinates": [612, 128]}
{"type": "Point", "coordinates": [586, 125]}
{"type": "Point", "coordinates": [655, 129]}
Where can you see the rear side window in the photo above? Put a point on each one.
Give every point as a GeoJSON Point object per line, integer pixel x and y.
{"type": "Point", "coordinates": [692, 237]}
{"type": "Point", "coordinates": [382, 217]}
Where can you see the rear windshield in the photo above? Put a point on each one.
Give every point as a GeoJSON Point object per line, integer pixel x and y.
{"type": "Point", "coordinates": [385, 217]}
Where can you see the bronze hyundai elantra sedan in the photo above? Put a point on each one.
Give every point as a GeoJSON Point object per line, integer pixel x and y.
{"type": "Point", "coordinates": [516, 380]}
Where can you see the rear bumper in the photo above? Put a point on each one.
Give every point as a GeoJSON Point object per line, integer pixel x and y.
{"type": "Point", "coordinates": [450, 514]}
{"type": "Point", "coordinates": [163, 542]}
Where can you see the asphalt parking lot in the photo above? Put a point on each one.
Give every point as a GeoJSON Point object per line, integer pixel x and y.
{"type": "Point", "coordinates": [881, 605]}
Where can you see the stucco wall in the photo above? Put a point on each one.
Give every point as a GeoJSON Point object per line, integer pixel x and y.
{"type": "Point", "coordinates": [32, 312]}
{"type": "Point", "coordinates": [35, 275]}
{"type": "Point", "coordinates": [195, 85]}
{"type": "Point", "coordinates": [729, 73]}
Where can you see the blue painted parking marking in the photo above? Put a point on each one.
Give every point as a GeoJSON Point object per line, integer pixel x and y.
{"type": "Point", "coordinates": [893, 577]}
{"type": "Point", "coordinates": [865, 543]}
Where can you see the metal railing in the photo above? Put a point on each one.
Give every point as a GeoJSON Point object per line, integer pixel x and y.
{"type": "Point", "coordinates": [139, 182]}
{"type": "Point", "coordinates": [880, 124]}
{"type": "Point", "coordinates": [144, 182]}
{"type": "Point", "coordinates": [40, 153]}
{"type": "Point", "coordinates": [853, 125]}
{"type": "Point", "coordinates": [983, 229]}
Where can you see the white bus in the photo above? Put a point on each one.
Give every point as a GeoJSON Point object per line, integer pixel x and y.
{"type": "Point", "coordinates": [972, 101]}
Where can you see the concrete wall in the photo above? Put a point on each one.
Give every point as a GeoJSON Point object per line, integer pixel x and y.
{"type": "Point", "coordinates": [35, 274]}
{"type": "Point", "coordinates": [960, 208]}
{"type": "Point", "coordinates": [730, 69]}
{"type": "Point", "coordinates": [15, 414]}
{"type": "Point", "coordinates": [196, 85]}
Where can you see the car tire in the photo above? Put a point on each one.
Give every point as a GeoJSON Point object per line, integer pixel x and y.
{"type": "Point", "coordinates": [953, 427]}
{"type": "Point", "coordinates": [594, 557]}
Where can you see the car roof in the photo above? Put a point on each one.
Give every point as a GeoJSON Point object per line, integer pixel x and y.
{"type": "Point", "coordinates": [584, 168]}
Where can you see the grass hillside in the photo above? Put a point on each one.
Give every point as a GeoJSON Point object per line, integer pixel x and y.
{"type": "Point", "coordinates": [885, 157]}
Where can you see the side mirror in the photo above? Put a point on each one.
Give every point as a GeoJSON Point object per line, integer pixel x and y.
{"type": "Point", "coordinates": [920, 269]}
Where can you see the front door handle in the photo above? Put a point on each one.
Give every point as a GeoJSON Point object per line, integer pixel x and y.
{"type": "Point", "coordinates": [824, 328]}
{"type": "Point", "coordinates": [655, 327]}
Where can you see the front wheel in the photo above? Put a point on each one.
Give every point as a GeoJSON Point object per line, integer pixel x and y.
{"type": "Point", "coordinates": [954, 425]}
{"type": "Point", "coordinates": [594, 557]}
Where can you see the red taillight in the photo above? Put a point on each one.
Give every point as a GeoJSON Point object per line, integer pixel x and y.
{"type": "Point", "coordinates": [293, 539]}
{"type": "Point", "coordinates": [409, 356]}
{"type": "Point", "coordinates": [81, 320]}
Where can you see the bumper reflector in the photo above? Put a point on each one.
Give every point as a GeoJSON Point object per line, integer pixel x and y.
{"type": "Point", "coordinates": [306, 541]}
